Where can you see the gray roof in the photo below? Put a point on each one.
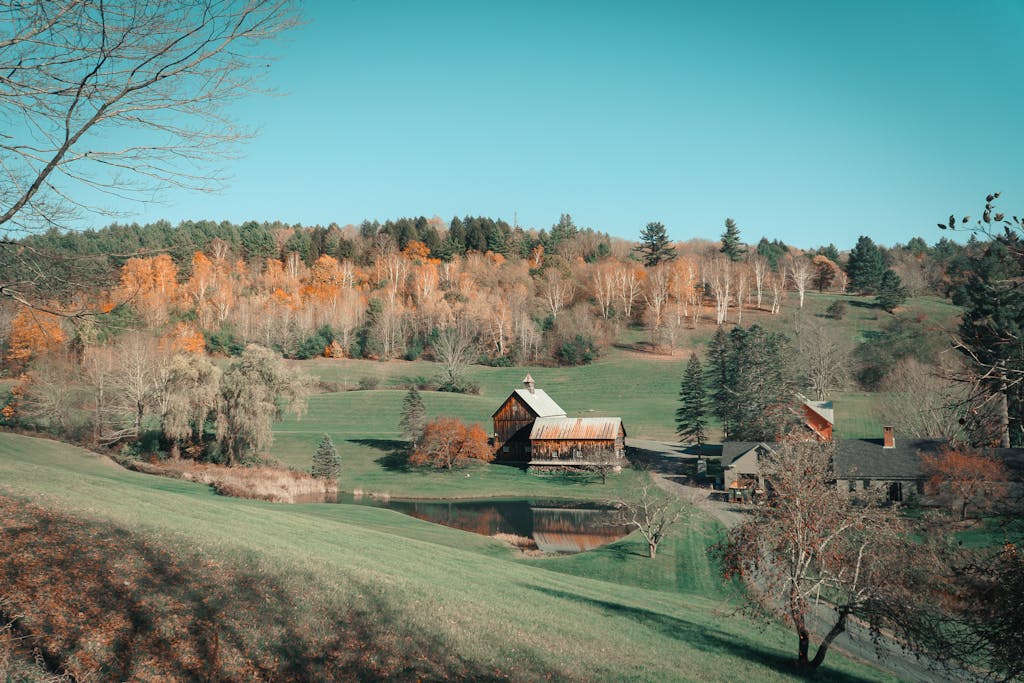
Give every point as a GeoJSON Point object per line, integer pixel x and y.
{"type": "Point", "coordinates": [868, 459]}
{"type": "Point", "coordinates": [734, 450]}
{"type": "Point", "coordinates": [540, 403]}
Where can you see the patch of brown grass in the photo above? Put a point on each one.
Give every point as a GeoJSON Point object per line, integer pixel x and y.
{"type": "Point", "coordinates": [99, 602]}
{"type": "Point", "coordinates": [523, 544]}
{"type": "Point", "coordinates": [262, 482]}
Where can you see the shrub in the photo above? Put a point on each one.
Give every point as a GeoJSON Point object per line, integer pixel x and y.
{"type": "Point", "coordinates": [580, 350]}
{"type": "Point", "coordinates": [369, 382]}
{"type": "Point", "coordinates": [223, 341]}
{"type": "Point", "coordinates": [836, 310]}
{"type": "Point", "coordinates": [447, 443]}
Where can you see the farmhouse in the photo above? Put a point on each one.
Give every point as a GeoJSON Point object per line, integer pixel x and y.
{"type": "Point", "coordinates": [858, 465]}
{"type": "Point", "coordinates": [531, 429]}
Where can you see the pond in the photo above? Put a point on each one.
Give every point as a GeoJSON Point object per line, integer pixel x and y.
{"type": "Point", "coordinates": [555, 526]}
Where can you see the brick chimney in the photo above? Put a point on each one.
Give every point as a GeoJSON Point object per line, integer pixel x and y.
{"type": "Point", "coordinates": [528, 382]}
{"type": "Point", "coordinates": [888, 438]}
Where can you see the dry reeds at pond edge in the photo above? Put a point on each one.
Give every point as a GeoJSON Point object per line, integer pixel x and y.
{"type": "Point", "coordinates": [262, 482]}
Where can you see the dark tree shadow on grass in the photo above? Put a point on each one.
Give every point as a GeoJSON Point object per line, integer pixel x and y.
{"type": "Point", "coordinates": [396, 453]}
{"type": "Point", "coordinates": [701, 637]}
{"type": "Point", "coordinates": [101, 603]}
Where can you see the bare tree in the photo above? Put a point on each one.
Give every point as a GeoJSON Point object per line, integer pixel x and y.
{"type": "Point", "coordinates": [825, 357]}
{"type": "Point", "coordinates": [760, 269]}
{"type": "Point", "coordinates": [653, 514]}
{"type": "Point", "coordinates": [800, 273]}
{"type": "Point", "coordinates": [121, 96]}
{"type": "Point", "coordinates": [455, 348]}
{"type": "Point", "coordinates": [557, 290]}
{"type": "Point", "coordinates": [810, 542]}
{"type": "Point", "coordinates": [928, 402]}
{"type": "Point", "coordinates": [718, 271]}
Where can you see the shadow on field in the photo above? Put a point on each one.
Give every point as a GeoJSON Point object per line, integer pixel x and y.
{"type": "Point", "coordinates": [396, 452]}
{"type": "Point", "coordinates": [700, 637]}
{"type": "Point", "coordinates": [101, 603]}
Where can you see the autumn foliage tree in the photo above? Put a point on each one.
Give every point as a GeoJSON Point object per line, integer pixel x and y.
{"type": "Point", "coordinates": [968, 477]}
{"type": "Point", "coordinates": [448, 443]}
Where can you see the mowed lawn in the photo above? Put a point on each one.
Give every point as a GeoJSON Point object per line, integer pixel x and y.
{"type": "Point", "coordinates": [640, 387]}
{"type": "Point", "coordinates": [275, 585]}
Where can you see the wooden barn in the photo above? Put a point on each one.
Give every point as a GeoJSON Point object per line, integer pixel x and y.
{"type": "Point", "coordinates": [531, 429]}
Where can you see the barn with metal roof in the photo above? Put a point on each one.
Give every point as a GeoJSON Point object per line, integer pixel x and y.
{"type": "Point", "coordinates": [531, 429]}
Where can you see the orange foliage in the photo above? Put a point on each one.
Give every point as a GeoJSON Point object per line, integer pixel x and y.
{"type": "Point", "coordinates": [416, 251]}
{"type": "Point", "coordinates": [448, 442]}
{"type": "Point", "coordinates": [184, 338]}
{"type": "Point", "coordinates": [968, 476]}
{"type": "Point", "coordinates": [33, 333]}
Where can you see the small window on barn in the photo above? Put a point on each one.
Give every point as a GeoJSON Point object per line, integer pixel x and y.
{"type": "Point", "coordinates": [504, 449]}
{"type": "Point", "coordinates": [851, 485]}
{"type": "Point", "coordinates": [867, 484]}
{"type": "Point", "coordinates": [920, 488]}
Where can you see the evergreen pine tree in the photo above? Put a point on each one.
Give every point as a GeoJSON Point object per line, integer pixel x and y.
{"type": "Point", "coordinates": [690, 420]}
{"type": "Point", "coordinates": [720, 376]}
{"type": "Point", "coordinates": [655, 245]}
{"type": "Point", "coordinates": [731, 245]}
{"type": "Point", "coordinates": [326, 463]}
{"type": "Point", "coordinates": [752, 383]}
{"type": "Point", "coordinates": [865, 266]}
{"type": "Point", "coordinates": [891, 292]}
{"type": "Point", "coordinates": [414, 416]}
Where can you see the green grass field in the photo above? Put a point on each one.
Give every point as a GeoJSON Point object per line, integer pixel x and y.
{"type": "Point", "coordinates": [277, 584]}
{"type": "Point", "coordinates": [641, 388]}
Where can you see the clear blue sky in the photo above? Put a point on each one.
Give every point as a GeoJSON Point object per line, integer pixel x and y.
{"type": "Point", "coordinates": [811, 122]}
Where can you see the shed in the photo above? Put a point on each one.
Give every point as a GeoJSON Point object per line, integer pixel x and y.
{"type": "Point", "coordinates": [576, 440]}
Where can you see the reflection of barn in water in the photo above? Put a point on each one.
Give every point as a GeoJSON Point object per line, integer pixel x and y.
{"type": "Point", "coordinates": [565, 530]}
{"type": "Point", "coordinates": [554, 528]}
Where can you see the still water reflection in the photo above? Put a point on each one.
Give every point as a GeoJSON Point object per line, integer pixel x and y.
{"type": "Point", "coordinates": [555, 526]}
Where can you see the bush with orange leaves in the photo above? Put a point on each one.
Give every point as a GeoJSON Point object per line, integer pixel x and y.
{"type": "Point", "coordinates": [448, 442]}
{"type": "Point", "coordinates": [967, 477]}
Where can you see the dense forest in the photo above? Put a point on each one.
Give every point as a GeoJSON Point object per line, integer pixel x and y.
{"type": "Point", "coordinates": [385, 290]}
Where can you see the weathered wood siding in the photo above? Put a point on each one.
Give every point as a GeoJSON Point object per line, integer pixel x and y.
{"type": "Point", "coordinates": [512, 424]}
{"type": "Point", "coordinates": [577, 451]}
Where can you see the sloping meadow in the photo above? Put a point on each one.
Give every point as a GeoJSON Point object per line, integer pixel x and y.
{"type": "Point", "coordinates": [120, 575]}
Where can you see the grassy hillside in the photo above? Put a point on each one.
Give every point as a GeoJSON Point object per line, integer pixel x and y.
{"type": "Point", "coordinates": [640, 387]}
{"type": "Point", "coordinates": [129, 576]}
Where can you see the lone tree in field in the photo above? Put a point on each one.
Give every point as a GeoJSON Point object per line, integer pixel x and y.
{"type": "Point", "coordinates": [655, 245]}
{"type": "Point", "coordinates": [326, 462]}
{"type": "Point", "coordinates": [414, 416]}
{"type": "Point", "coordinates": [448, 443]}
{"type": "Point", "coordinates": [654, 514]}
{"type": "Point", "coordinates": [731, 245]}
{"type": "Point", "coordinates": [891, 292]}
{"type": "Point", "coordinates": [691, 421]}
{"type": "Point", "coordinates": [809, 543]}
{"type": "Point", "coordinates": [124, 97]}
{"type": "Point", "coordinates": [254, 392]}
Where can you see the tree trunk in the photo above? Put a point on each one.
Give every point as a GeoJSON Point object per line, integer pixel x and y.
{"type": "Point", "coordinates": [836, 629]}
{"type": "Point", "coordinates": [804, 639]}
{"type": "Point", "coordinates": [652, 549]}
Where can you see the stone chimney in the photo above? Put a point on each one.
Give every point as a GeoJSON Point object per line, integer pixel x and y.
{"type": "Point", "coordinates": [888, 438]}
{"type": "Point", "coordinates": [528, 382]}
